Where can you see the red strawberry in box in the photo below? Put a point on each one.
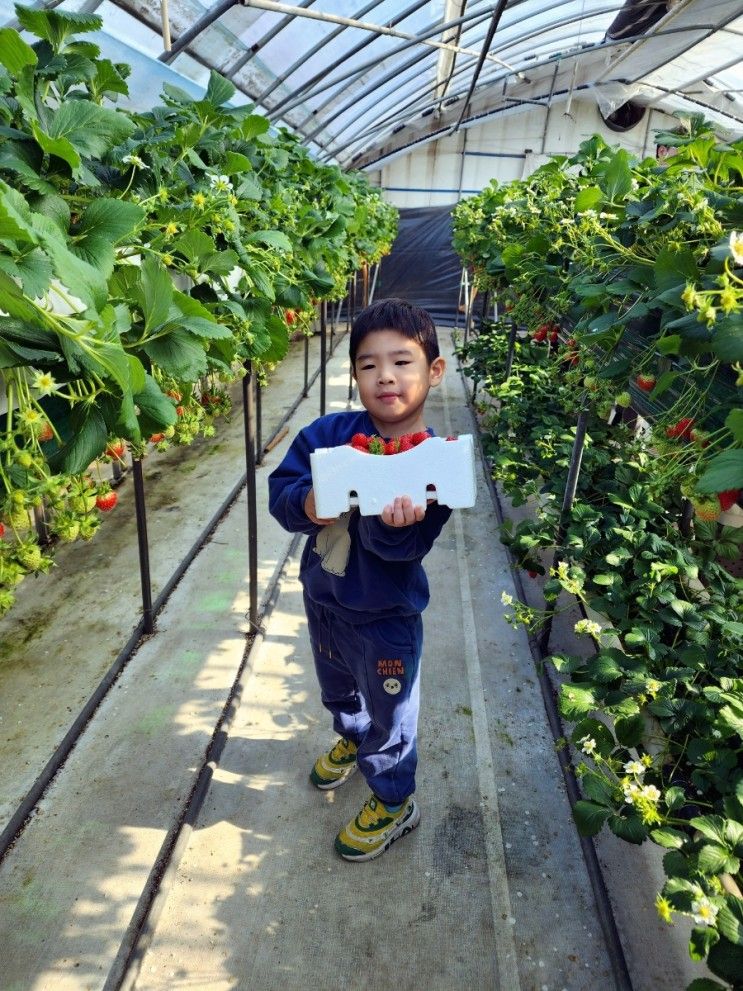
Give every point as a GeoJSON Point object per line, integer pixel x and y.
{"type": "Point", "coordinates": [378, 470]}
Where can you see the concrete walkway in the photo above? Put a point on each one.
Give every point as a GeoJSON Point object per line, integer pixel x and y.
{"type": "Point", "coordinates": [490, 892]}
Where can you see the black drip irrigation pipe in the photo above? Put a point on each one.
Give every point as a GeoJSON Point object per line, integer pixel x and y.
{"type": "Point", "coordinates": [21, 816]}
{"type": "Point", "coordinates": [622, 979]}
{"type": "Point", "coordinates": [140, 931]}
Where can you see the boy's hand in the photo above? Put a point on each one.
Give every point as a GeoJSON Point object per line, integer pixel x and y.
{"type": "Point", "coordinates": [310, 512]}
{"type": "Point", "coordinates": [402, 512]}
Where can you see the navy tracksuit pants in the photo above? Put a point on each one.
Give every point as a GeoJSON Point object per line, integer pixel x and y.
{"type": "Point", "coordinates": [369, 680]}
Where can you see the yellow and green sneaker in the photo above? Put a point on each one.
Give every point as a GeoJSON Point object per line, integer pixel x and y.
{"type": "Point", "coordinates": [336, 766]}
{"type": "Point", "coordinates": [376, 828]}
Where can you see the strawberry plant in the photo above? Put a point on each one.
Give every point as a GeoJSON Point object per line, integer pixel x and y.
{"type": "Point", "coordinates": [144, 255]}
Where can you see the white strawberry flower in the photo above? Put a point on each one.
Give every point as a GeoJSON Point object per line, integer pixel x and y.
{"type": "Point", "coordinates": [703, 911]}
{"type": "Point", "coordinates": [651, 793]}
{"type": "Point", "coordinates": [220, 183]}
{"type": "Point", "coordinates": [634, 767]}
{"type": "Point", "coordinates": [588, 745]}
{"type": "Point", "coordinates": [736, 246]}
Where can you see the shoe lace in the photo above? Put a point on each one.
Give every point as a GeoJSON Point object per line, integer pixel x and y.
{"type": "Point", "coordinates": [342, 748]}
{"type": "Point", "coordinates": [372, 812]}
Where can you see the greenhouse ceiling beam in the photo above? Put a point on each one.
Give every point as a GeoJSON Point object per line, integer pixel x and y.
{"type": "Point", "coordinates": [690, 82]}
{"type": "Point", "coordinates": [453, 97]}
{"type": "Point", "coordinates": [492, 28]}
{"type": "Point", "coordinates": [391, 74]}
{"type": "Point", "coordinates": [480, 16]}
{"type": "Point", "coordinates": [487, 84]}
{"type": "Point", "coordinates": [645, 38]}
{"type": "Point", "coordinates": [306, 89]}
{"type": "Point", "coordinates": [447, 60]}
{"type": "Point", "coordinates": [524, 36]}
{"type": "Point", "coordinates": [306, 56]}
{"type": "Point", "coordinates": [263, 41]}
{"type": "Point", "coordinates": [707, 72]}
{"type": "Point", "coordinates": [300, 95]}
{"type": "Point", "coordinates": [379, 29]}
{"type": "Point", "coordinates": [205, 21]}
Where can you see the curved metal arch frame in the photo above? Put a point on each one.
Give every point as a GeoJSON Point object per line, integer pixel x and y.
{"type": "Point", "coordinates": [495, 80]}
{"type": "Point", "coordinates": [302, 94]}
{"type": "Point", "coordinates": [295, 99]}
{"type": "Point", "coordinates": [412, 62]}
{"type": "Point", "coordinates": [458, 72]}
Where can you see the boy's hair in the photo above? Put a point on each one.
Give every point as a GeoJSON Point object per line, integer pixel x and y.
{"type": "Point", "coordinates": [396, 314]}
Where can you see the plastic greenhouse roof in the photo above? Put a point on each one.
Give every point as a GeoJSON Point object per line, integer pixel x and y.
{"type": "Point", "coordinates": [361, 81]}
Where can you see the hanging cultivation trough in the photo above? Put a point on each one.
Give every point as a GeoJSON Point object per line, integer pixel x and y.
{"type": "Point", "coordinates": [190, 221]}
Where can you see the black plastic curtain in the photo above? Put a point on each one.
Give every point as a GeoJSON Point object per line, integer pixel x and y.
{"type": "Point", "coordinates": [422, 266]}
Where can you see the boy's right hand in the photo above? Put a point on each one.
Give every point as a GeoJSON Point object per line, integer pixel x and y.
{"type": "Point", "coordinates": [310, 511]}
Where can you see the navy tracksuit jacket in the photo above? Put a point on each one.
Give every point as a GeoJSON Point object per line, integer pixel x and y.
{"type": "Point", "coordinates": [364, 591]}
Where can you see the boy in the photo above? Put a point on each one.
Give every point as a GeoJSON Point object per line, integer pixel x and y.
{"type": "Point", "coordinates": [364, 585]}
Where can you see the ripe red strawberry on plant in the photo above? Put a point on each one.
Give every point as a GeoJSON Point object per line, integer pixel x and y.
{"type": "Point", "coordinates": [290, 316]}
{"type": "Point", "coordinates": [645, 382]}
{"type": "Point", "coordinates": [539, 335]}
{"type": "Point", "coordinates": [116, 449]}
{"type": "Point", "coordinates": [106, 501]}
{"type": "Point", "coordinates": [682, 428]}
{"type": "Point", "coordinates": [728, 498]}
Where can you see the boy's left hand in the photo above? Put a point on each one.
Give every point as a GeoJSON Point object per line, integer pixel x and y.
{"type": "Point", "coordinates": [402, 512]}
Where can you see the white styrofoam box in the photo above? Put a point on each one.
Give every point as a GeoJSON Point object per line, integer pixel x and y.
{"type": "Point", "coordinates": [377, 479]}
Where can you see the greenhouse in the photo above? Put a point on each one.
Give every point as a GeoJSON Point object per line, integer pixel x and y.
{"type": "Point", "coordinates": [310, 312]}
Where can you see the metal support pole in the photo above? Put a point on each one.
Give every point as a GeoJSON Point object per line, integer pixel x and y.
{"type": "Point", "coordinates": [323, 354]}
{"type": "Point", "coordinates": [144, 551]}
{"type": "Point", "coordinates": [258, 421]}
{"type": "Point", "coordinates": [306, 366]}
{"type": "Point", "coordinates": [249, 421]}
{"type": "Point", "coordinates": [511, 347]}
{"type": "Point", "coordinates": [348, 330]}
{"type": "Point", "coordinates": [460, 297]}
{"type": "Point", "coordinates": [571, 485]}
{"type": "Point", "coordinates": [365, 283]}
{"type": "Point", "coordinates": [484, 310]}
{"type": "Point", "coordinates": [374, 280]}
{"type": "Point", "coordinates": [468, 315]}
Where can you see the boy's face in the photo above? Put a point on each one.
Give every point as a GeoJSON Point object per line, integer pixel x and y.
{"type": "Point", "coordinates": [393, 376]}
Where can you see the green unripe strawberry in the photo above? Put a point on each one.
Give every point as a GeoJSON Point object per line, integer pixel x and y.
{"type": "Point", "coordinates": [67, 529]}
{"type": "Point", "coordinates": [24, 459]}
{"type": "Point", "coordinates": [376, 445]}
{"type": "Point", "coordinates": [82, 503]}
{"type": "Point", "coordinates": [11, 573]}
{"type": "Point", "coordinates": [18, 518]}
{"type": "Point", "coordinates": [28, 553]}
{"type": "Point", "coordinates": [591, 383]}
{"type": "Point", "coordinates": [623, 399]}
{"type": "Point", "coordinates": [88, 526]}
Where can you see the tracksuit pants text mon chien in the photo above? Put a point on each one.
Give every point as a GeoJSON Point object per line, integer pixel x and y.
{"type": "Point", "coordinates": [369, 681]}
